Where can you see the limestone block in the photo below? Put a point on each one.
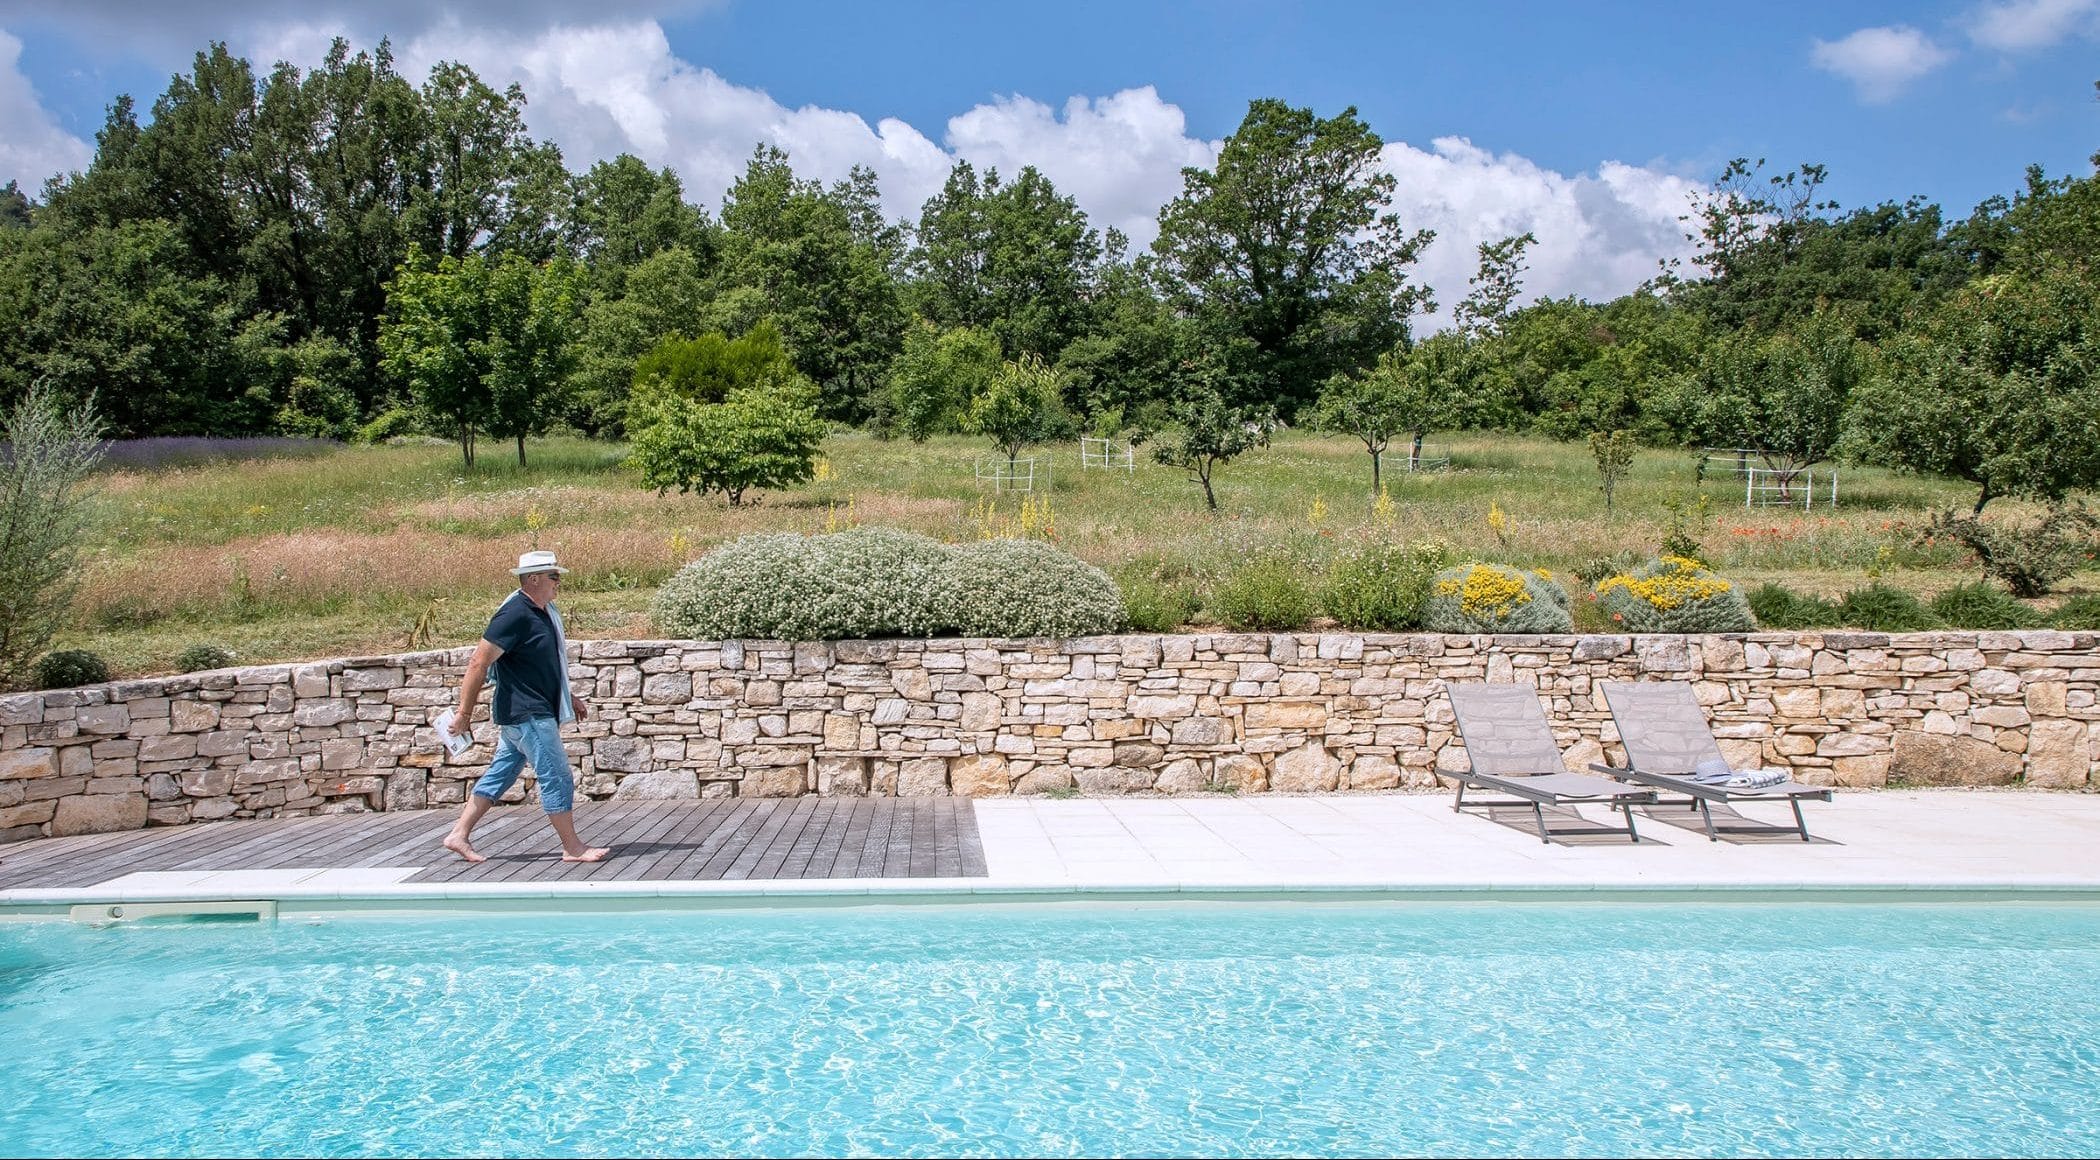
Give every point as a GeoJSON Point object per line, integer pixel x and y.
{"type": "Point", "coordinates": [923, 777]}
{"type": "Point", "coordinates": [1161, 707]}
{"type": "Point", "coordinates": [841, 731]}
{"type": "Point", "coordinates": [1374, 771]}
{"type": "Point", "coordinates": [1286, 715]}
{"type": "Point", "coordinates": [34, 761]}
{"type": "Point", "coordinates": [763, 756]}
{"type": "Point", "coordinates": [98, 814]}
{"type": "Point", "coordinates": [1043, 779]}
{"type": "Point", "coordinates": [163, 787]}
{"type": "Point", "coordinates": [2057, 757]}
{"type": "Point", "coordinates": [1993, 683]}
{"type": "Point", "coordinates": [891, 711]}
{"type": "Point", "coordinates": [368, 680]}
{"type": "Point", "coordinates": [658, 785]}
{"type": "Point", "coordinates": [667, 689]}
{"type": "Point", "coordinates": [1931, 759]}
{"type": "Point", "coordinates": [980, 713]}
{"type": "Point", "coordinates": [979, 775]}
{"type": "Point", "coordinates": [1850, 745]}
{"type": "Point", "coordinates": [207, 783]}
{"type": "Point", "coordinates": [2046, 698]}
{"type": "Point", "coordinates": [1844, 704]}
{"type": "Point", "coordinates": [2000, 716]}
{"type": "Point", "coordinates": [842, 776]}
{"type": "Point", "coordinates": [1306, 769]}
{"type": "Point", "coordinates": [1114, 779]}
{"type": "Point", "coordinates": [1139, 754]}
{"type": "Point", "coordinates": [621, 754]}
{"type": "Point", "coordinates": [322, 713]}
{"type": "Point", "coordinates": [212, 809]}
{"type": "Point", "coordinates": [1202, 731]}
{"type": "Point", "coordinates": [1578, 756]}
{"type": "Point", "coordinates": [407, 789]}
{"type": "Point", "coordinates": [104, 719]}
{"type": "Point", "coordinates": [1664, 654]}
{"type": "Point", "coordinates": [1243, 771]}
{"type": "Point", "coordinates": [310, 681]}
{"type": "Point", "coordinates": [1804, 701]}
{"type": "Point", "coordinates": [1602, 648]}
{"type": "Point", "coordinates": [1182, 776]}
{"type": "Point", "coordinates": [343, 753]}
{"type": "Point", "coordinates": [27, 814]}
{"type": "Point", "coordinates": [255, 773]}
{"type": "Point", "coordinates": [776, 781]}
{"type": "Point", "coordinates": [353, 786]}
{"type": "Point", "coordinates": [762, 693]}
{"type": "Point", "coordinates": [192, 716]}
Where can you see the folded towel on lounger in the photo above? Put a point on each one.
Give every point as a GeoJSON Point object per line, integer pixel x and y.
{"type": "Point", "coordinates": [1756, 778]}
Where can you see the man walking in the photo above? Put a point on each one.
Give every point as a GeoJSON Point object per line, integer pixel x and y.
{"type": "Point", "coordinates": [523, 645]}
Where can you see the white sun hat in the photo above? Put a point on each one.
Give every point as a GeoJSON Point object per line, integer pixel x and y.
{"type": "Point", "coordinates": [532, 562]}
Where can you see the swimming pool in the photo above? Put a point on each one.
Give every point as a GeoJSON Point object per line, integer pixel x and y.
{"type": "Point", "coordinates": [1184, 1029]}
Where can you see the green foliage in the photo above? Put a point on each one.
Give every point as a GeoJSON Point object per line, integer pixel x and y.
{"type": "Point", "coordinates": [1409, 392]}
{"type": "Point", "coordinates": [198, 658]}
{"type": "Point", "coordinates": [1492, 598]}
{"type": "Point", "coordinates": [2078, 614]}
{"type": "Point", "coordinates": [1154, 604]}
{"type": "Point", "coordinates": [1995, 387]}
{"type": "Point", "coordinates": [1209, 434]}
{"type": "Point", "coordinates": [1674, 594]}
{"type": "Point", "coordinates": [661, 299]}
{"type": "Point", "coordinates": [1266, 592]}
{"type": "Point", "coordinates": [868, 582]}
{"type": "Point", "coordinates": [1020, 588]}
{"type": "Point", "coordinates": [1597, 569]}
{"type": "Point", "coordinates": [1018, 407]}
{"type": "Point", "coordinates": [1015, 260]}
{"type": "Point", "coordinates": [69, 668]}
{"type": "Point", "coordinates": [44, 518]}
{"type": "Point", "coordinates": [938, 374]}
{"type": "Point", "coordinates": [1883, 608]}
{"type": "Point", "coordinates": [1286, 251]}
{"type": "Point", "coordinates": [1684, 529]}
{"type": "Point", "coordinates": [1779, 607]}
{"type": "Point", "coordinates": [1614, 454]}
{"type": "Point", "coordinates": [1784, 394]}
{"type": "Point", "coordinates": [2030, 558]}
{"type": "Point", "coordinates": [1978, 605]}
{"type": "Point", "coordinates": [759, 437]}
{"type": "Point", "coordinates": [1382, 587]}
{"type": "Point", "coordinates": [388, 424]}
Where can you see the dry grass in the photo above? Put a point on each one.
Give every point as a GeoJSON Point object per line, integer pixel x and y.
{"type": "Point", "coordinates": [349, 552]}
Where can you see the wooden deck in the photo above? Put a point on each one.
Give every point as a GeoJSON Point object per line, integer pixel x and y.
{"type": "Point", "coordinates": [722, 839]}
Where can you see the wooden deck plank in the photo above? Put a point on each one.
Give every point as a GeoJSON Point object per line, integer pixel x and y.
{"type": "Point", "coordinates": [970, 842]}
{"type": "Point", "coordinates": [616, 827]}
{"type": "Point", "coordinates": [641, 843]}
{"type": "Point", "coordinates": [775, 856]}
{"type": "Point", "coordinates": [524, 863]}
{"type": "Point", "coordinates": [502, 831]}
{"type": "Point", "coordinates": [734, 843]}
{"type": "Point", "coordinates": [261, 846]}
{"type": "Point", "coordinates": [826, 849]}
{"type": "Point", "coordinates": [920, 862]}
{"type": "Point", "coordinates": [874, 852]}
{"type": "Point", "coordinates": [685, 829]}
{"type": "Point", "coordinates": [944, 866]}
{"type": "Point", "coordinates": [743, 867]}
{"type": "Point", "coordinates": [120, 857]}
{"type": "Point", "coordinates": [845, 863]}
{"type": "Point", "coordinates": [722, 828]}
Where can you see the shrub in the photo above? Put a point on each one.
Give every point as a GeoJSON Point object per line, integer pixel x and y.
{"type": "Point", "coordinates": [1597, 569]}
{"type": "Point", "coordinates": [1884, 609]}
{"type": "Point", "coordinates": [1674, 594]}
{"type": "Point", "coordinates": [1269, 591]}
{"type": "Point", "coordinates": [44, 515]}
{"type": "Point", "coordinates": [1381, 587]}
{"type": "Point", "coordinates": [2029, 558]}
{"type": "Point", "coordinates": [1154, 605]}
{"type": "Point", "coordinates": [2079, 613]}
{"type": "Point", "coordinates": [1025, 588]}
{"type": "Point", "coordinates": [1777, 606]}
{"type": "Point", "coordinates": [391, 423]}
{"type": "Point", "coordinates": [866, 582]}
{"type": "Point", "coordinates": [199, 657]}
{"type": "Point", "coordinates": [1979, 605]}
{"type": "Point", "coordinates": [70, 667]}
{"type": "Point", "coordinates": [1495, 598]}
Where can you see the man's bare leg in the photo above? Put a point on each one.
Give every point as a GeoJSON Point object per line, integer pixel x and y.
{"type": "Point", "coordinates": [572, 847]}
{"type": "Point", "coordinates": [460, 840]}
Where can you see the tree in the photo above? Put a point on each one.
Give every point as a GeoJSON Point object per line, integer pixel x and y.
{"type": "Point", "coordinates": [43, 521]}
{"type": "Point", "coordinates": [662, 296]}
{"type": "Point", "coordinates": [1994, 388]}
{"type": "Point", "coordinates": [15, 208]}
{"type": "Point", "coordinates": [1016, 259]}
{"type": "Point", "coordinates": [1493, 289]}
{"type": "Point", "coordinates": [939, 372]}
{"type": "Point", "coordinates": [625, 215]}
{"type": "Point", "coordinates": [1208, 433]}
{"type": "Point", "coordinates": [483, 345]}
{"type": "Point", "coordinates": [1286, 244]}
{"type": "Point", "coordinates": [1408, 391]}
{"type": "Point", "coordinates": [732, 416]}
{"type": "Point", "coordinates": [1783, 395]}
{"type": "Point", "coordinates": [1018, 407]}
{"type": "Point", "coordinates": [1614, 453]}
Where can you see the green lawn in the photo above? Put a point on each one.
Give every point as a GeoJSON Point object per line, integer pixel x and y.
{"type": "Point", "coordinates": [378, 549]}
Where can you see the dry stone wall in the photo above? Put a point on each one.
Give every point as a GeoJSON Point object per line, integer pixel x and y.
{"type": "Point", "coordinates": [1102, 715]}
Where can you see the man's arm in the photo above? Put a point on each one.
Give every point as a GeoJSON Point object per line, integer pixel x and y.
{"type": "Point", "coordinates": [485, 654]}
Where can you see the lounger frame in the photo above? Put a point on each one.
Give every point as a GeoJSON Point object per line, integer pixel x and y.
{"type": "Point", "coordinates": [1677, 737]}
{"type": "Point", "coordinates": [1515, 754]}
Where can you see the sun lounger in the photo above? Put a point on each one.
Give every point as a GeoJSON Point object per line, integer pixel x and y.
{"type": "Point", "coordinates": [1667, 740]}
{"type": "Point", "coordinates": [1514, 753]}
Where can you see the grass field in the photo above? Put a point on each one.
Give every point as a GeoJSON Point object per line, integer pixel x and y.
{"type": "Point", "coordinates": [380, 549]}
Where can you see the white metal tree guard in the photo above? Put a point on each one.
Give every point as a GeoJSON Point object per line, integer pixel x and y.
{"type": "Point", "coordinates": [1770, 487]}
{"type": "Point", "coordinates": [1017, 475]}
{"type": "Point", "coordinates": [1110, 454]}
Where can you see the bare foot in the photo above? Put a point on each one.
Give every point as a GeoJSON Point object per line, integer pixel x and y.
{"type": "Point", "coordinates": [459, 846]}
{"type": "Point", "coordinates": [594, 854]}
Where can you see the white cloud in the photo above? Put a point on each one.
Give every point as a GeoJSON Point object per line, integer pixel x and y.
{"type": "Point", "coordinates": [1880, 62]}
{"type": "Point", "coordinates": [1599, 235]}
{"type": "Point", "coordinates": [2023, 25]}
{"type": "Point", "coordinates": [32, 146]}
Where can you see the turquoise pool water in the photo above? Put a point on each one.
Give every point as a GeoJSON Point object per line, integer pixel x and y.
{"type": "Point", "coordinates": [1241, 1029]}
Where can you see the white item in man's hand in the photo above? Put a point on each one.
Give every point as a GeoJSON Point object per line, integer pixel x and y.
{"type": "Point", "coordinates": [456, 741]}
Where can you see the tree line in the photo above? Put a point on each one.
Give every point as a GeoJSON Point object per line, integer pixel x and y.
{"type": "Point", "coordinates": [344, 252]}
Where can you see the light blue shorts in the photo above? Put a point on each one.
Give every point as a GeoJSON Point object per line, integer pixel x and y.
{"type": "Point", "coordinates": [538, 741]}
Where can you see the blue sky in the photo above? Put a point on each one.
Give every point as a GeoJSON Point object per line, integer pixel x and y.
{"type": "Point", "coordinates": [1590, 124]}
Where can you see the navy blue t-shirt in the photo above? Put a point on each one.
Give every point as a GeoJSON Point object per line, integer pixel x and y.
{"type": "Point", "coordinates": [528, 674]}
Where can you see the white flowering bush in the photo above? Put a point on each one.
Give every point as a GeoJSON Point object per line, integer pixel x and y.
{"type": "Point", "coordinates": [867, 582]}
{"type": "Point", "coordinates": [1495, 598]}
{"type": "Point", "coordinates": [1026, 588]}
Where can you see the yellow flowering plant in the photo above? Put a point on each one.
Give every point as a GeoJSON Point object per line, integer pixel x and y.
{"type": "Point", "coordinates": [1674, 594]}
{"type": "Point", "coordinates": [1481, 597]}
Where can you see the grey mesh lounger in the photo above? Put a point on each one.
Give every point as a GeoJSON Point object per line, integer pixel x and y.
{"type": "Point", "coordinates": [1513, 752]}
{"type": "Point", "coordinates": [1666, 737]}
